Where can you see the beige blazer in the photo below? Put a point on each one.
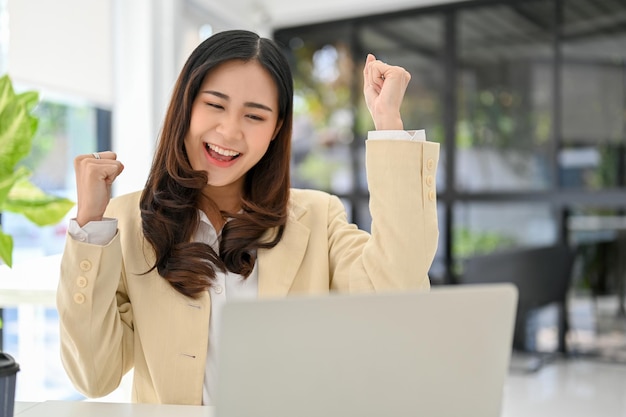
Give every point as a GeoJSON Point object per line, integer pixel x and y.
{"type": "Point", "coordinates": [114, 318]}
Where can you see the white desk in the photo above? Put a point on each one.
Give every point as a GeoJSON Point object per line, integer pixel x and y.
{"type": "Point", "coordinates": [21, 406]}
{"type": "Point", "coordinates": [572, 388]}
{"type": "Point", "coordinates": [99, 409]}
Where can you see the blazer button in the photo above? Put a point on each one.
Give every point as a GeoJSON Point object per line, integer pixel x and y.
{"type": "Point", "coordinates": [430, 164]}
{"type": "Point", "coordinates": [79, 298]}
{"type": "Point", "coordinates": [432, 195]}
{"type": "Point", "coordinates": [430, 180]}
{"type": "Point", "coordinates": [81, 282]}
{"type": "Point", "coordinates": [85, 265]}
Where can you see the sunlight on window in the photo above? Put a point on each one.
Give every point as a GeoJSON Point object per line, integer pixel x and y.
{"type": "Point", "coordinates": [325, 67]}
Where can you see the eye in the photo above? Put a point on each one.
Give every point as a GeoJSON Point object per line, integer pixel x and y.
{"type": "Point", "coordinates": [215, 105]}
{"type": "Point", "coordinates": [255, 117]}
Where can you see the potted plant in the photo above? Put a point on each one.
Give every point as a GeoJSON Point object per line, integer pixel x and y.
{"type": "Point", "coordinates": [18, 126]}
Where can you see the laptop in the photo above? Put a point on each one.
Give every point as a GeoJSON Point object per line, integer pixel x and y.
{"type": "Point", "coordinates": [439, 353]}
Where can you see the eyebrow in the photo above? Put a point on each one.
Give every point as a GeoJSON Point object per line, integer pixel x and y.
{"type": "Point", "coordinates": [247, 103]}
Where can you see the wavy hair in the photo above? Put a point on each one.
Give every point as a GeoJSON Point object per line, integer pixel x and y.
{"type": "Point", "coordinates": [173, 193]}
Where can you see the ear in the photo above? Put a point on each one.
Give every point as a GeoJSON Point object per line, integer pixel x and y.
{"type": "Point", "coordinates": [279, 124]}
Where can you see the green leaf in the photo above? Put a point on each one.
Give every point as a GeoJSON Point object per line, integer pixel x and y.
{"type": "Point", "coordinates": [8, 96]}
{"type": "Point", "coordinates": [8, 181]}
{"type": "Point", "coordinates": [6, 91]}
{"type": "Point", "coordinates": [6, 249]}
{"type": "Point", "coordinates": [40, 208]}
{"type": "Point", "coordinates": [30, 99]}
{"type": "Point", "coordinates": [17, 128]}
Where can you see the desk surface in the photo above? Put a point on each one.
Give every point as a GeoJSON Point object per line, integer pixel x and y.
{"type": "Point", "coordinates": [100, 409]}
{"type": "Point", "coordinates": [568, 387]}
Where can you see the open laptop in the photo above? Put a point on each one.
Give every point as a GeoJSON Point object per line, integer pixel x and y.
{"type": "Point", "coordinates": [439, 353]}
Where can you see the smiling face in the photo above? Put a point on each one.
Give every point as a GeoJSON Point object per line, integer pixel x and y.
{"type": "Point", "coordinates": [234, 118]}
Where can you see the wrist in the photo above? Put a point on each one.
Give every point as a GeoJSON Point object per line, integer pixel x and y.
{"type": "Point", "coordinates": [82, 221]}
{"type": "Point", "coordinates": [389, 123]}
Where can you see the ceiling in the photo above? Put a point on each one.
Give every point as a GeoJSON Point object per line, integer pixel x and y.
{"type": "Point", "coordinates": [284, 13]}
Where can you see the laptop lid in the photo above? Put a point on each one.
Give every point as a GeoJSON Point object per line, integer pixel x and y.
{"type": "Point", "coordinates": [439, 353]}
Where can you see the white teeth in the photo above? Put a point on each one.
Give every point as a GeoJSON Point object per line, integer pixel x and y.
{"type": "Point", "coordinates": [222, 151]}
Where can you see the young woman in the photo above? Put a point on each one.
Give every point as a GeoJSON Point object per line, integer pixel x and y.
{"type": "Point", "coordinates": [144, 276]}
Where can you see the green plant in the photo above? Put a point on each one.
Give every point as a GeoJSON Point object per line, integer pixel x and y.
{"type": "Point", "coordinates": [18, 126]}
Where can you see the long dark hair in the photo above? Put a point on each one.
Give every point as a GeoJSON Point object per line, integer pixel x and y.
{"type": "Point", "coordinates": [173, 193]}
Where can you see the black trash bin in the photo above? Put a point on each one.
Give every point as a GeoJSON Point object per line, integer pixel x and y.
{"type": "Point", "coordinates": [8, 372]}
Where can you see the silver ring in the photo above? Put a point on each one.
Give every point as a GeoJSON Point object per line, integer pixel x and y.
{"type": "Point", "coordinates": [96, 155]}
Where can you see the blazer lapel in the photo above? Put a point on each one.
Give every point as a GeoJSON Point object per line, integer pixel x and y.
{"type": "Point", "coordinates": [278, 266]}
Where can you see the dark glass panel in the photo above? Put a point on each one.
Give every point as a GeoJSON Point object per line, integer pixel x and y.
{"type": "Point", "coordinates": [593, 97]}
{"type": "Point", "coordinates": [505, 81]}
{"type": "Point", "coordinates": [323, 70]}
{"type": "Point", "coordinates": [481, 228]}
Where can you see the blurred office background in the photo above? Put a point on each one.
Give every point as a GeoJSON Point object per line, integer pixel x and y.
{"type": "Point", "coordinates": [526, 97]}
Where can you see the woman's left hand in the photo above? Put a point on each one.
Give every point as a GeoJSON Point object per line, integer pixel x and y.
{"type": "Point", "coordinates": [384, 87]}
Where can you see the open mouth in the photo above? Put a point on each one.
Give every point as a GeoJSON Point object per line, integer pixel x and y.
{"type": "Point", "coordinates": [221, 154]}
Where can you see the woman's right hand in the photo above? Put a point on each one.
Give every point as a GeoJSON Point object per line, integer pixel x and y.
{"type": "Point", "coordinates": [94, 178]}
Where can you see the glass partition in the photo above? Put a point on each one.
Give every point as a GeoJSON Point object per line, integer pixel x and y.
{"type": "Point", "coordinates": [504, 95]}
{"type": "Point", "coordinates": [526, 97]}
{"type": "Point", "coordinates": [485, 227]}
{"type": "Point", "coordinates": [593, 99]}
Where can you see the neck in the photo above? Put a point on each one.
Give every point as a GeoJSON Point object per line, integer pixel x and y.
{"type": "Point", "coordinates": [218, 200]}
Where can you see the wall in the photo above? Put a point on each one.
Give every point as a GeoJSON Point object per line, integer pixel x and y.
{"type": "Point", "coordinates": [63, 46]}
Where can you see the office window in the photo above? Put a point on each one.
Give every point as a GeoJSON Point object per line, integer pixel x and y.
{"type": "Point", "coordinates": [505, 79]}
{"type": "Point", "coordinates": [594, 95]}
{"type": "Point", "coordinates": [323, 69]}
{"type": "Point", "coordinates": [526, 97]}
{"type": "Point", "coordinates": [482, 227]}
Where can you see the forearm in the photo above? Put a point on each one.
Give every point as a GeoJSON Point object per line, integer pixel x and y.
{"type": "Point", "coordinates": [95, 340]}
{"type": "Point", "coordinates": [404, 213]}
{"type": "Point", "coordinates": [401, 247]}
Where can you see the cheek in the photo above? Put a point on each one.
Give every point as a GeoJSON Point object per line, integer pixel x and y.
{"type": "Point", "coordinates": [262, 145]}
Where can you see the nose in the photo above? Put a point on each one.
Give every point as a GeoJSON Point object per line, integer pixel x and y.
{"type": "Point", "coordinates": [229, 126]}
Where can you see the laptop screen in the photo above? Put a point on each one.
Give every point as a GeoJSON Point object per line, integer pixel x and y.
{"type": "Point", "coordinates": [439, 353]}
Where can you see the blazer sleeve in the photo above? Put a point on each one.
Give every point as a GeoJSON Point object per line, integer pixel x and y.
{"type": "Point", "coordinates": [95, 315]}
{"type": "Point", "coordinates": [404, 230]}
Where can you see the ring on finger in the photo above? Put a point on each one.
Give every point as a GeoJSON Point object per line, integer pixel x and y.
{"type": "Point", "coordinates": [96, 155]}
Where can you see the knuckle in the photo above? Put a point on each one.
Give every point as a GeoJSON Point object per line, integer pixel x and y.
{"type": "Point", "coordinates": [79, 160]}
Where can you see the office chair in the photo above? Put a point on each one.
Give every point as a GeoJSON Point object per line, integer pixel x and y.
{"type": "Point", "coordinates": [542, 276]}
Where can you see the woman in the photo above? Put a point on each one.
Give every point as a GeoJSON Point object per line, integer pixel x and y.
{"type": "Point", "coordinates": [144, 276]}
